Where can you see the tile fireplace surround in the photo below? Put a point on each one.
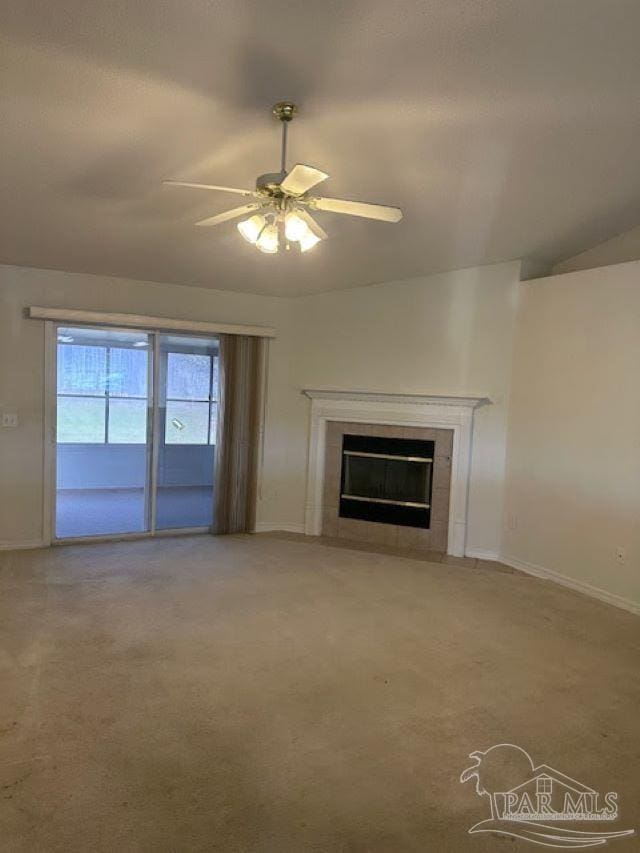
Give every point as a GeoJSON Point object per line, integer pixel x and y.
{"type": "Point", "coordinates": [446, 420]}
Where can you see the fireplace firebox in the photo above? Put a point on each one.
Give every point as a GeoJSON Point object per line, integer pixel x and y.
{"type": "Point", "coordinates": [387, 480]}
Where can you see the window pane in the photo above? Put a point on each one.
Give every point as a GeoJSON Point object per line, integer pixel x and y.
{"type": "Point", "coordinates": [128, 372]}
{"type": "Point", "coordinates": [81, 419]}
{"type": "Point", "coordinates": [187, 423]}
{"type": "Point", "coordinates": [188, 376]}
{"type": "Point", "coordinates": [81, 370]}
{"type": "Point", "coordinates": [214, 388]}
{"type": "Point", "coordinates": [214, 423]}
{"type": "Point", "coordinates": [127, 421]}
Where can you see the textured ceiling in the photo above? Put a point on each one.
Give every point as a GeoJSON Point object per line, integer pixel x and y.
{"type": "Point", "coordinates": [505, 129]}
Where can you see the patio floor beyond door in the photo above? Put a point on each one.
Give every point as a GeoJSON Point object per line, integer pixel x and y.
{"type": "Point", "coordinates": [95, 512]}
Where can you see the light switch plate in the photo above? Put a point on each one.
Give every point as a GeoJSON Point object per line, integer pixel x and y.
{"type": "Point", "coordinates": [9, 419]}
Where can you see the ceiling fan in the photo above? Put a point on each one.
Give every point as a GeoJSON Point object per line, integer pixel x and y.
{"type": "Point", "coordinates": [281, 202]}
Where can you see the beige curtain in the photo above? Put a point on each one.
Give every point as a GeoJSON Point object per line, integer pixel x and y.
{"type": "Point", "coordinates": [242, 368]}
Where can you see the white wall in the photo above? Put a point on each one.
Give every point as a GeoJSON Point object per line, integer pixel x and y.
{"type": "Point", "coordinates": [443, 334]}
{"type": "Point", "coordinates": [22, 376]}
{"type": "Point", "coordinates": [573, 483]}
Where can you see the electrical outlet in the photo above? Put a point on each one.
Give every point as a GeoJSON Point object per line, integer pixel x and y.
{"type": "Point", "coordinates": [621, 555]}
{"type": "Point", "coordinates": [9, 419]}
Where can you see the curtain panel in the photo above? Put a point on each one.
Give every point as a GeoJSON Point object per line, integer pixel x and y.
{"type": "Point", "coordinates": [238, 442]}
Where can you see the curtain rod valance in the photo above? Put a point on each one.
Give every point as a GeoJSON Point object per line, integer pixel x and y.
{"type": "Point", "coordinates": [101, 318]}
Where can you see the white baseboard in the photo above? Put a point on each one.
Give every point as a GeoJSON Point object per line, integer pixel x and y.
{"type": "Point", "coordinates": [273, 526]}
{"type": "Point", "coordinates": [20, 544]}
{"type": "Point", "coordinates": [479, 554]}
{"type": "Point", "coordinates": [572, 583]}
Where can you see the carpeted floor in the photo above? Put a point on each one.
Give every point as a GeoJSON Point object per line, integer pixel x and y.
{"type": "Point", "coordinates": [274, 694]}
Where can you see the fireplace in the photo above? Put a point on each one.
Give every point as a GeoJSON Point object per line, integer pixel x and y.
{"type": "Point", "coordinates": [445, 421]}
{"type": "Point", "coordinates": [387, 480]}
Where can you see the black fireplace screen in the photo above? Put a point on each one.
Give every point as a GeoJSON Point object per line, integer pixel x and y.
{"type": "Point", "coordinates": [386, 480]}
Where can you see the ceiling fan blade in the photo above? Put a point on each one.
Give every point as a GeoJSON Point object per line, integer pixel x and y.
{"type": "Point", "coordinates": [357, 208]}
{"type": "Point", "coordinates": [208, 187]}
{"type": "Point", "coordinates": [228, 214]}
{"type": "Point", "coordinates": [312, 224]}
{"type": "Point", "coordinates": [301, 178]}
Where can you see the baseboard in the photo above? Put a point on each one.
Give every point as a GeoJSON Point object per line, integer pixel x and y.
{"type": "Point", "coordinates": [22, 544]}
{"type": "Point", "coordinates": [273, 526]}
{"type": "Point", "coordinates": [572, 583]}
{"type": "Point", "coordinates": [479, 554]}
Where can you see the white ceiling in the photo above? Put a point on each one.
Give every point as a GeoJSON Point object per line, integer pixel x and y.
{"type": "Point", "coordinates": [504, 129]}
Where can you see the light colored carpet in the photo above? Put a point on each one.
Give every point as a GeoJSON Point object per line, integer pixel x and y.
{"type": "Point", "coordinates": [265, 693]}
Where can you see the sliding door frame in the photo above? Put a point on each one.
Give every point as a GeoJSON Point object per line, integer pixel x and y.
{"type": "Point", "coordinates": [50, 442]}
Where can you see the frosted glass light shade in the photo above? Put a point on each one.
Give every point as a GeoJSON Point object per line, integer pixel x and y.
{"type": "Point", "coordinates": [251, 228]}
{"type": "Point", "coordinates": [295, 228]}
{"type": "Point", "coordinates": [308, 241]}
{"type": "Point", "coordinates": [268, 240]}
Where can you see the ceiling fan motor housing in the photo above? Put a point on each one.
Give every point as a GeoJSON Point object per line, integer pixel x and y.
{"type": "Point", "coordinates": [269, 184]}
{"type": "Point", "coordinates": [284, 110]}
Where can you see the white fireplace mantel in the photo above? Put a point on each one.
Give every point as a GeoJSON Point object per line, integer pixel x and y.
{"type": "Point", "coordinates": [415, 410]}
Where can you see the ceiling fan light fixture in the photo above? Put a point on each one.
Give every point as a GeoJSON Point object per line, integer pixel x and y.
{"type": "Point", "coordinates": [308, 241]}
{"type": "Point", "coordinates": [283, 202]}
{"type": "Point", "coordinates": [268, 241]}
{"type": "Point", "coordinates": [252, 227]}
{"type": "Point", "coordinates": [295, 228]}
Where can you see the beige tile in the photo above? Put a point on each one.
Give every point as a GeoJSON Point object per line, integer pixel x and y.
{"type": "Point", "coordinates": [353, 428]}
{"type": "Point", "coordinates": [415, 538]}
{"type": "Point", "coordinates": [367, 531]}
{"type": "Point", "coordinates": [331, 511]}
{"type": "Point", "coordinates": [438, 536]}
{"type": "Point", "coordinates": [419, 433]}
{"type": "Point", "coordinates": [444, 442]}
{"type": "Point", "coordinates": [349, 528]}
{"type": "Point", "coordinates": [380, 430]}
{"type": "Point", "coordinates": [333, 458]}
{"type": "Point", "coordinates": [334, 434]}
{"type": "Point", "coordinates": [441, 472]}
{"type": "Point", "coordinates": [440, 506]}
{"type": "Point", "coordinates": [331, 490]}
{"type": "Point", "coordinates": [329, 521]}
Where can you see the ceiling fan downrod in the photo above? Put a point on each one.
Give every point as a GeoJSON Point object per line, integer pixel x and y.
{"type": "Point", "coordinates": [284, 111]}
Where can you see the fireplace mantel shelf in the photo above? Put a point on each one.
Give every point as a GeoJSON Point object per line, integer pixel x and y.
{"type": "Point", "coordinates": [403, 399]}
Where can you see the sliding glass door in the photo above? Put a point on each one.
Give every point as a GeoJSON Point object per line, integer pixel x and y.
{"type": "Point", "coordinates": [186, 434]}
{"type": "Point", "coordinates": [103, 435]}
{"type": "Point", "coordinates": [136, 415]}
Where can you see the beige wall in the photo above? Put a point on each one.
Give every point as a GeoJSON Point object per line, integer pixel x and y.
{"type": "Point", "coordinates": [22, 375]}
{"type": "Point", "coordinates": [569, 381]}
{"type": "Point", "coordinates": [443, 334]}
{"type": "Point", "coordinates": [618, 250]}
{"type": "Point", "coordinates": [573, 486]}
